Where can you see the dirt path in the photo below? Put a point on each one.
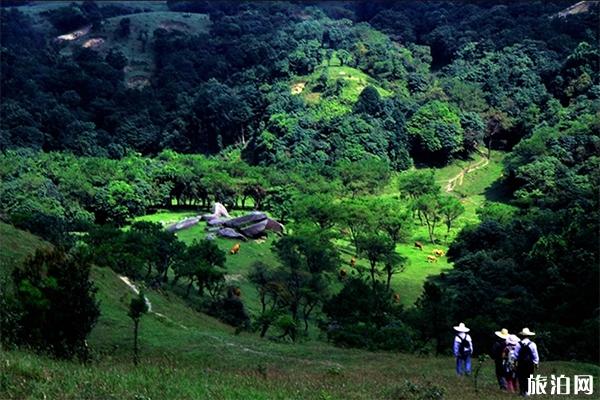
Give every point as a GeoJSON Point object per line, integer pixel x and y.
{"type": "Point", "coordinates": [459, 178]}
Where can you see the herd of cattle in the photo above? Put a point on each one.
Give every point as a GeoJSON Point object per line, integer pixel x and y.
{"type": "Point", "coordinates": [432, 258]}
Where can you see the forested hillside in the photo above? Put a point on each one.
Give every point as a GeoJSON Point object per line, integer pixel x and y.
{"type": "Point", "coordinates": [423, 162]}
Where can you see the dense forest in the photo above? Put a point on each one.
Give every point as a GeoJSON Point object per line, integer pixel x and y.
{"type": "Point", "coordinates": [309, 111]}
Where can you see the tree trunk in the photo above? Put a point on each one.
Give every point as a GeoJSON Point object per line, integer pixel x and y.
{"type": "Point", "coordinates": [389, 279]}
{"type": "Point", "coordinates": [187, 293]}
{"type": "Point", "coordinates": [373, 265]}
{"type": "Point", "coordinates": [264, 329]}
{"type": "Point", "coordinates": [307, 313]}
{"type": "Point", "coordinates": [136, 323]}
{"type": "Point", "coordinates": [165, 272]}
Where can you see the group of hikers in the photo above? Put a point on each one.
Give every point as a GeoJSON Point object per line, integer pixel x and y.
{"type": "Point", "coordinates": [515, 357]}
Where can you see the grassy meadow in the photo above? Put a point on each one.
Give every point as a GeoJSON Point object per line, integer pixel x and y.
{"type": "Point", "coordinates": [187, 355]}
{"type": "Point", "coordinates": [477, 186]}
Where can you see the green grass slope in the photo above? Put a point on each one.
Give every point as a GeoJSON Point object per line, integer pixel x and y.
{"type": "Point", "coordinates": [353, 82]}
{"type": "Point", "coordinates": [141, 58]}
{"type": "Point", "coordinates": [34, 9]}
{"type": "Point", "coordinates": [15, 246]}
{"type": "Point", "coordinates": [146, 17]}
{"type": "Point", "coordinates": [471, 190]}
{"type": "Point", "coordinates": [188, 355]}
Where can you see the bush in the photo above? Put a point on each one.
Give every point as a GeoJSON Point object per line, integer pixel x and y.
{"type": "Point", "coordinates": [50, 227]}
{"type": "Point", "coordinates": [55, 305]}
{"type": "Point", "coordinates": [396, 336]}
{"type": "Point", "coordinates": [231, 310]}
{"type": "Point", "coordinates": [365, 317]}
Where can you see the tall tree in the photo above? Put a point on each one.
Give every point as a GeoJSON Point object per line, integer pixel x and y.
{"type": "Point", "coordinates": [451, 208]}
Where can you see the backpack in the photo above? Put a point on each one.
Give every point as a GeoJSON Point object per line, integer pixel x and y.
{"type": "Point", "coordinates": [525, 354]}
{"type": "Point", "coordinates": [464, 347]}
{"type": "Point", "coordinates": [508, 360]}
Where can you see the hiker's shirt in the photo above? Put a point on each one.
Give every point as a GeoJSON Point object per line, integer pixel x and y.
{"type": "Point", "coordinates": [534, 353]}
{"type": "Point", "coordinates": [457, 339]}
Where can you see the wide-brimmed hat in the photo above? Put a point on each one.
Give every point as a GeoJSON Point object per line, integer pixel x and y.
{"type": "Point", "coordinates": [512, 340]}
{"type": "Point", "coordinates": [502, 334]}
{"type": "Point", "coordinates": [526, 332]}
{"type": "Point", "coordinates": [461, 328]}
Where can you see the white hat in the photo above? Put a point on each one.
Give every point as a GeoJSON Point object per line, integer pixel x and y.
{"type": "Point", "coordinates": [502, 334]}
{"type": "Point", "coordinates": [461, 328]}
{"type": "Point", "coordinates": [512, 340]}
{"type": "Point", "coordinates": [526, 332]}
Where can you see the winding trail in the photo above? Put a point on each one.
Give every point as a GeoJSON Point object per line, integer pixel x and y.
{"type": "Point", "coordinates": [459, 178]}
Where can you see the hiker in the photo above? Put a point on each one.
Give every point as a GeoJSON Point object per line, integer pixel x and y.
{"type": "Point", "coordinates": [527, 359]}
{"type": "Point", "coordinates": [463, 349]}
{"type": "Point", "coordinates": [498, 349]}
{"type": "Point", "coordinates": [509, 364]}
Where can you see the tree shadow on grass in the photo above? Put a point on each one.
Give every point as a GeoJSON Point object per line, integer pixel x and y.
{"type": "Point", "coordinates": [499, 191]}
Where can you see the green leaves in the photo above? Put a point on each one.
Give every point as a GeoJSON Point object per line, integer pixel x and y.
{"type": "Point", "coordinates": [138, 306]}
{"type": "Point", "coordinates": [56, 302]}
{"type": "Point", "coordinates": [436, 127]}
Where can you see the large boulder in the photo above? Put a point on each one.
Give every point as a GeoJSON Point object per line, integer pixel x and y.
{"type": "Point", "coordinates": [230, 233]}
{"type": "Point", "coordinates": [184, 224]}
{"type": "Point", "coordinates": [248, 219]}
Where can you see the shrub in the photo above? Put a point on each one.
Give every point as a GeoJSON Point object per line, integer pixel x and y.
{"type": "Point", "coordinates": [55, 303]}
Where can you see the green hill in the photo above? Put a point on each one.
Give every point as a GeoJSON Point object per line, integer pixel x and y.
{"type": "Point", "coordinates": [188, 355]}
{"type": "Point", "coordinates": [15, 246]}
{"type": "Point", "coordinates": [137, 46]}
{"type": "Point", "coordinates": [351, 82]}
{"type": "Point", "coordinates": [145, 18]}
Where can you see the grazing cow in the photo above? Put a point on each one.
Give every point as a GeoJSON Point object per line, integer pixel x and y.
{"type": "Point", "coordinates": [396, 297]}
{"type": "Point", "coordinates": [235, 249]}
{"type": "Point", "coordinates": [419, 245]}
{"type": "Point", "coordinates": [439, 253]}
{"type": "Point", "coordinates": [237, 291]}
{"type": "Point", "coordinates": [343, 273]}
{"type": "Point", "coordinates": [353, 262]}
{"type": "Point", "coordinates": [431, 259]}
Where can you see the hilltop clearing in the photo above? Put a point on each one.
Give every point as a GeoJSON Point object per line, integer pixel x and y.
{"type": "Point", "coordinates": [578, 8]}
{"type": "Point", "coordinates": [137, 44]}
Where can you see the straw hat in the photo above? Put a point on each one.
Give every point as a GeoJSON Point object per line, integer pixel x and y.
{"type": "Point", "coordinates": [526, 332]}
{"type": "Point", "coordinates": [502, 334]}
{"type": "Point", "coordinates": [461, 328]}
{"type": "Point", "coordinates": [512, 340]}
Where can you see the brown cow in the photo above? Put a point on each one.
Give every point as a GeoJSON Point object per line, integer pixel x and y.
{"type": "Point", "coordinates": [353, 262]}
{"type": "Point", "coordinates": [396, 297]}
{"type": "Point", "coordinates": [235, 249]}
{"type": "Point", "coordinates": [439, 253]}
{"type": "Point", "coordinates": [343, 273]}
{"type": "Point", "coordinates": [419, 245]}
{"type": "Point", "coordinates": [431, 259]}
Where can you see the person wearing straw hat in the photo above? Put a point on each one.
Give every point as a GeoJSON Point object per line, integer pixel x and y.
{"type": "Point", "coordinates": [498, 355]}
{"type": "Point", "coordinates": [463, 349]}
{"type": "Point", "coordinates": [527, 359]}
{"type": "Point", "coordinates": [510, 368]}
